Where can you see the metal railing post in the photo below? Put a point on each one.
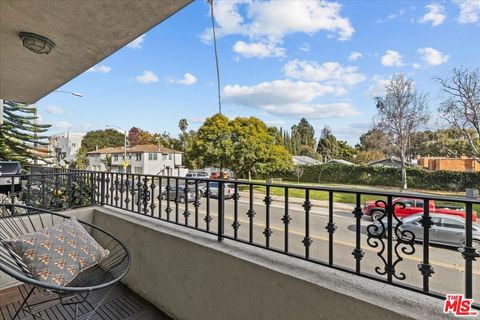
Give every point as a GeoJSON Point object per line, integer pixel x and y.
{"type": "Point", "coordinates": [221, 209]}
{"type": "Point", "coordinates": [102, 190]}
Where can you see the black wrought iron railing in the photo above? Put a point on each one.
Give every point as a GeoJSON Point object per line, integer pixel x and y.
{"type": "Point", "coordinates": [427, 252]}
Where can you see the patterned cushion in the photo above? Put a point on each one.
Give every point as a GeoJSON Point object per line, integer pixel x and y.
{"type": "Point", "coordinates": [59, 253]}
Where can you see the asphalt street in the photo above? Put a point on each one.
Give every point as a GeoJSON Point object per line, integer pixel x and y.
{"type": "Point", "coordinates": [448, 263]}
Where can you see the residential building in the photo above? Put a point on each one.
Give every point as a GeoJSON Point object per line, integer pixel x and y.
{"type": "Point", "coordinates": [141, 159]}
{"type": "Point", "coordinates": [392, 162]}
{"type": "Point", "coordinates": [341, 161]}
{"type": "Point", "coordinates": [63, 147]}
{"type": "Point", "coordinates": [452, 164]}
{"type": "Point", "coordinates": [305, 161]}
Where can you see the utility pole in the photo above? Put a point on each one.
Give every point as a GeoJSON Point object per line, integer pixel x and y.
{"type": "Point", "coordinates": [210, 2]}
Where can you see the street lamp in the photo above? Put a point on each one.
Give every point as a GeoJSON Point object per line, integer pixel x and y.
{"type": "Point", "coordinates": [76, 94]}
{"type": "Point", "coordinates": [125, 162]}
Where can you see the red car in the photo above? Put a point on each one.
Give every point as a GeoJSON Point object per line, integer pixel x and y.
{"type": "Point", "coordinates": [412, 206]}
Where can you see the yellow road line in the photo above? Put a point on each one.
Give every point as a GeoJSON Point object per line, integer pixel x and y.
{"type": "Point", "coordinates": [350, 244]}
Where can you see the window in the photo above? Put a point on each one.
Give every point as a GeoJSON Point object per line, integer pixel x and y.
{"type": "Point", "coordinates": [454, 224]}
{"type": "Point", "coordinates": [170, 156]}
{"type": "Point", "coordinates": [152, 156]}
{"type": "Point", "coordinates": [138, 170]}
{"type": "Point", "coordinates": [164, 156]}
{"type": "Point", "coordinates": [419, 203]}
{"type": "Point", "coordinates": [408, 203]}
{"type": "Point", "coordinates": [115, 157]}
{"type": "Point", "coordinates": [436, 222]}
{"type": "Point", "coordinates": [138, 156]}
{"type": "Point", "coordinates": [73, 145]}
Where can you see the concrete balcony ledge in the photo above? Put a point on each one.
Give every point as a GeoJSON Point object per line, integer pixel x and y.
{"type": "Point", "coordinates": [190, 275]}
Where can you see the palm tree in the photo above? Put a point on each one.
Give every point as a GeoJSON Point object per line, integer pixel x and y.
{"type": "Point", "coordinates": [183, 125]}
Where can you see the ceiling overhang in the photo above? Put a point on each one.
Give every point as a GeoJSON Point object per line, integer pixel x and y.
{"type": "Point", "coordinates": [84, 32]}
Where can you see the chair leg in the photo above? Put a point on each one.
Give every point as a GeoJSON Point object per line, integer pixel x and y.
{"type": "Point", "coordinates": [23, 303]}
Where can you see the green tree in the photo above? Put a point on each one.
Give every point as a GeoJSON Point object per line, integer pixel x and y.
{"type": "Point", "coordinates": [278, 162]}
{"type": "Point", "coordinates": [330, 148]}
{"type": "Point", "coordinates": [102, 139]}
{"type": "Point", "coordinates": [212, 145]}
{"type": "Point", "coordinates": [20, 133]}
{"type": "Point", "coordinates": [364, 157]}
{"type": "Point", "coordinates": [245, 145]}
{"type": "Point", "coordinates": [303, 134]}
{"type": "Point", "coordinates": [376, 140]}
{"type": "Point", "coordinates": [251, 143]}
{"type": "Point", "coordinates": [327, 144]}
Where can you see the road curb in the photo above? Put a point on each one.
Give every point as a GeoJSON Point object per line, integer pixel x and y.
{"type": "Point", "coordinates": [294, 200]}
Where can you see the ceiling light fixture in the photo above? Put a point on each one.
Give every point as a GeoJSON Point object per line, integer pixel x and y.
{"type": "Point", "coordinates": [36, 43]}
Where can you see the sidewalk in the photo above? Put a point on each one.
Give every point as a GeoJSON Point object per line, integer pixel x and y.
{"type": "Point", "coordinates": [293, 200]}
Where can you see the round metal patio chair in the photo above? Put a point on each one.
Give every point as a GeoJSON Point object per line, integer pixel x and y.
{"type": "Point", "coordinates": [17, 220]}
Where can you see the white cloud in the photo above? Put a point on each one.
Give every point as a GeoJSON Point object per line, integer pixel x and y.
{"type": "Point", "coordinates": [277, 92]}
{"type": "Point", "coordinates": [469, 11]}
{"type": "Point", "coordinates": [62, 125]}
{"type": "Point", "coordinates": [392, 58]}
{"type": "Point", "coordinates": [432, 56]}
{"type": "Point", "coordinates": [315, 111]}
{"type": "Point", "coordinates": [137, 43]}
{"type": "Point", "coordinates": [288, 98]}
{"type": "Point", "coordinates": [100, 69]}
{"type": "Point", "coordinates": [267, 21]}
{"type": "Point", "coordinates": [398, 14]}
{"type": "Point", "coordinates": [258, 49]}
{"type": "Point", "coordinates": [54, 109]}
{"type": "Point", "coordinates": [435, 14]}
{"type": "Point", "coordinates": [188, 79]}
{"type": "Point", "coordinates": [147, 77]}
{"type": "Point", "coordinates": [377, 87]}
{"type": "Point", "coordinates": [305, 47]}
{"type": "Point", "coordinates": [332, 73]}
{"type": "Point", "coordinates": [354, 56]}
{"type": "Point", "coordinates": [416, 65]}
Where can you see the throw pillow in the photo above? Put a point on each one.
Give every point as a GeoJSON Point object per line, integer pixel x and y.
{"type": "Point", "coordinates": [59, 253]}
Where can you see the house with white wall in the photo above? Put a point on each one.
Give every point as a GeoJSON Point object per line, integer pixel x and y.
{"type": "Point", "coordinates": [141, 159]}
{"type": "Point", "coordinates": [63, 147]}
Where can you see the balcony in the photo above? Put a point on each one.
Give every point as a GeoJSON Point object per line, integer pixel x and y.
{"type": "Point", "coordinates": [269, 251]}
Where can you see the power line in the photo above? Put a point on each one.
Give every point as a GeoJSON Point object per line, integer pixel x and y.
{"type": "Point", "coordinates": [210, 2]}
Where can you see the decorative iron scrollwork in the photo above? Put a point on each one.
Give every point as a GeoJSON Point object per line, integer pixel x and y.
{"type": "Point", "coordinates": [378, 231]}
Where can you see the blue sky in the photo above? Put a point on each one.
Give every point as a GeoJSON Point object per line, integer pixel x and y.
{"type": "Point", "coordinates": [279, 61]}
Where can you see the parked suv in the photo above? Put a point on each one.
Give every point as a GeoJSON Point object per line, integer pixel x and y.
{"type": "Point", "coordinates": [10, 168]}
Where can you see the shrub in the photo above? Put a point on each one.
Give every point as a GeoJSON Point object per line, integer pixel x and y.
{"type": "Point", "coordinates": [418, 178]}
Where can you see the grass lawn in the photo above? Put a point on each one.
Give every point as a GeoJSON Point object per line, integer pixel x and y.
{"type": "Point", "coordinates": [342, 197]}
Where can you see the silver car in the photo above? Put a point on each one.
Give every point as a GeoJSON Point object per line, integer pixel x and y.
{"type": "Point", "coordinates": [446, 229]}
{"type": "Point", "coordinates": [228, 193]}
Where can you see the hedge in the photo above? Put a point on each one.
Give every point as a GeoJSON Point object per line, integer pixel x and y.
{"type": "Point", "coordinates": [417, 178]}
